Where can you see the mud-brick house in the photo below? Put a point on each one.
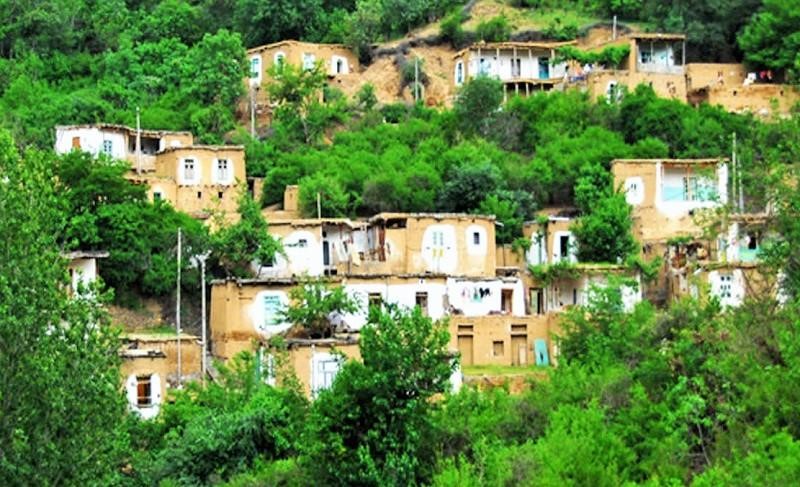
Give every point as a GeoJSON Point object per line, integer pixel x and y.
{"type": "Point", "coordinates": [553, 243]}
{"type": "Point", "coordinates": [338, 63]}
{"type": "Point", "coordinates": [671, 201]}
{"type": "Point", "coordinates": [120, 142]}
{"type": "Point", "coordinates": [197, 179]}
{"type": "Point", "coordinates": [522, 67]}
{"type": "Point", "coordinates": [667, 194]}
{"type": "Point", "coordinates": [737, 90]}
{"type": "Point", "coordinates": [734, 272]}
{"type": "Point", "coordinates": [654, 59]}
{"type": "Point", "coordinates": [150, 368]}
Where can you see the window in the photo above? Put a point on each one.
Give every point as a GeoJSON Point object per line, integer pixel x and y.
{"type": "Point", "coordinates": [220, 194]}
{"type": "Point", "coordinates": [563, 244]}
{"type": "Point", "coordinates": [199, 195]}
{"type": "Point", "coordinates": [308, 61]}
{"type": "Point", "coordinates": [189, 173]}
{"type": "Point", "coordinates": [325, 366]}
{"type": "Point", "coordinates": [280, 58]}
{"type": "Point", "coordinates": [223, 173]}
{"type": "Point", "coordinates": [144, 391]}
{"type": "Point", "coordinates": [76, 142]}
{"type": "Point", "coordinates": [574, 296]}
{"type": "Point", "coordinates": [752, 241]}
{"type": "Point", "coordinates": [375, 299]}
{"type": "Point", "coordinates": [156, 196]}
{"type": "Point", "coordinates": [634, 190]}
{"type": "Point", "coordinates": [506, 299]}
{"type": "Point", "coordinates": [272, 308]}
{"type": "Point", "coordinates": [483, 66]}
{"type": "Point", "coordinates": [459, 72]}
{"type": "Point", "coordinates": [613, 93]}
{"type": "Point", "coordinates": [516, 68]}
{"type": "Point", "coordinates": [302, 243]}
{"type": "Point", "coordinates": [725, 286]}
{"type": "Point", "coordinates": [497, 348]}
{"type": "Point", "coordinates": [476, 238]}
{"type": "Point", "coordinates": [255, 68]}
{"type": "Point", "coordinates": [421, 300]}
{"type": "Point", "coordinates": [108, 147]}
{"type": "Point", "coordinates": [645, 56]}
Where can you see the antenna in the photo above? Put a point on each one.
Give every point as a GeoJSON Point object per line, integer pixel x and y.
{"type": "Point", "coordinates": [138, 142]}
{"type": "Point", "coordinates": [614, 31]}
{"type": "Point", "coordinates": [178, 309]}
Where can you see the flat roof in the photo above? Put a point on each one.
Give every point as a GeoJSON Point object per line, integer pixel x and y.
{"type": "Point", "coordinates": [666, 36]}
{"type": "Point", "coordinates": [435, 216]}
{"type": "Point", "coordinates": [293, 41]}
{"type": "Point", "coordinates": [143, 336]}
{"type": "Point", "coordinates": [338, 278]}
{"type": "Point", "coordinates": [85, 254]}
{"type": "Point", "coordinates": [120, 127]}
{"type": "Point", "coordinates": [516, 44]}
{"type": "Point", "coordinates": [670, 161]}
{"type": "Point", "coordinates": [141, 353]}
{"type": "Point", "coordinates": [311, 222]}
{"type": "Point", "coordinates": [202, 147]}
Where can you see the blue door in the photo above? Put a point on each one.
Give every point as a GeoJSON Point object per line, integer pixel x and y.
{"type": "Point", "coordinates": [544, 68]}
{"type": "Point", "coordinates": [540, 348]}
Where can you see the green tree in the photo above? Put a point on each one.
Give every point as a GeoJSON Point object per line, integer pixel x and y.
{"type": "Point", "coordinates": [772, 38]}
{"type": "Point", "coordinates": [496, 29]}
{"type": "Point", "coordinates": [370, 427]}
{"type": "Point", "coordinates": [237, 247]}
{"type": "Point", "coordinates": [59, 390]}
{"type": "Point", "coordinates": [604, 235]}
{"type": "Point", "coordinates": [476, 104]}
{"type": "Point", "coordinates": [333, 200]}
{"type": "Point", "coordinates": [314, 303]}
{"type": "Point", "coordinates": [467, 185]}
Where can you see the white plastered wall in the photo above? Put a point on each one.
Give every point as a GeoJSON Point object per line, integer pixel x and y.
{"type": "Point", "coordinates": [483, 297]}
{"type": "Point", "coordinates": [439, 249]}
{"type": "Point", "coordinates": [131, 392]}
{"type": "Point", "coordinates": [737, 290]}
{"type": "Point", "coordinates": [403, 295]}
{"type": "Point", "coordinates": [264, 322]}
{"type": "Point", "coordinates": [84, 272]}
{"type": "Point", "coordinates": [680, 209]}
{"type": "Point", "coordinates": [91, 140]}
{"type": "Point", "coordinates": [299, 259]}
{"type": "Point", "coordinates": [501, 67]}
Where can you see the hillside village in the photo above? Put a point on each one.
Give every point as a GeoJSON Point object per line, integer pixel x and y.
{"type": "Point", "coordinates": [497, 219]}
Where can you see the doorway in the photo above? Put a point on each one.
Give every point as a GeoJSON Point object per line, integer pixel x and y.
{"type": "Point", "coordinates": [465, 349]}
{"type": "Point", "coordinates": [506, 300]}
{"type": "Point", "coordinates": [519, 352]}
{"type": "Point", "coordinates": [544, 68]}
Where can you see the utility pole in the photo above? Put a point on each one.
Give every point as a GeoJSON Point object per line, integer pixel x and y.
{"type": "Point", "coordinates": [252, 111]}
{"type": "Point", "coordinates": [319, 207]}
{"type": "Point", "coordinates": [204, 357]}
{"type": "Point", "coordinates": [739, 174]}
{"type": "Point", "coordinates": [614, 29]}
{"type": "Point", "coordinates": [178, 310]}
{"type": "Point", "coordinates": [416, 79]}
{"type": "Point", "coordinates": [138, 143]}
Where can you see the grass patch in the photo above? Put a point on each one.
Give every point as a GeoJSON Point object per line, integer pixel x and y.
{"type": "Point", "coordinates": [495, 370]}
{"type": "Point", "coordinates": [158, 330]}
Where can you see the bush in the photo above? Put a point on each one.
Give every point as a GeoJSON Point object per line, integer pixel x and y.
{"type": "Point", "coordinates": [451, 31]}
{"type": "Point", "coordinates": [604, 235]}
{"type": "Point", "coordinates": [496, 29]}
